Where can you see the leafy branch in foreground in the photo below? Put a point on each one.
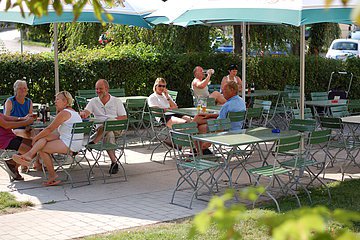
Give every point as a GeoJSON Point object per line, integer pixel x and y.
{"type": "Point", "coordinates": [303, 223]}
{"type": "Point", "coordinates": [40, 8]}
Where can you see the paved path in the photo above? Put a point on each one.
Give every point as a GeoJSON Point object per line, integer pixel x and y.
{"type": "Point", "coordinates": [10, 41]}
{"type": "Point", "coordinates": [63, 212]}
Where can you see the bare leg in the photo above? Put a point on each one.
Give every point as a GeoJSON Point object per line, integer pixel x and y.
{"type": "Point", "coordinates": [99, 134]}
{"type": "Point", "coordinates": [56, 146]}
{"type": "Point", "coordinates": [174, 120]}
{"type": "Point", "coordinates": [219, 98]}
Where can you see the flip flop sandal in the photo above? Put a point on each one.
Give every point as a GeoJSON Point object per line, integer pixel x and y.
{"type": "Point", "coordinates": [51, 183]}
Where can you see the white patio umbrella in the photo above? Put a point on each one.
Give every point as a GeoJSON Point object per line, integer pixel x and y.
{"type": "Point", "coordinates": [234, 12]}
{"type": "Point", "coordinates": [132, 14]}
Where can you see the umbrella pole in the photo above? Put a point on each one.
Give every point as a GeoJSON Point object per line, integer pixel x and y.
{"type": "Point", "coordinates": [243, 73]}
{"type": "Point", "coordinates": [302, 70]}
{"type": "Point", "coordinates": [56, 59]}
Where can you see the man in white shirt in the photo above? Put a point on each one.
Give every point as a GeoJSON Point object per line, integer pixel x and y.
{"type": "Point", "coordinates": [104, 107]}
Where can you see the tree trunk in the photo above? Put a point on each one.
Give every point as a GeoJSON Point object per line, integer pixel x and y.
{"type": "Point", "coordinates": [237, 43]}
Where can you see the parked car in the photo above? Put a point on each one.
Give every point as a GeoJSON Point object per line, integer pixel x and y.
{"type": "Point", "coordinates": [343, 48]}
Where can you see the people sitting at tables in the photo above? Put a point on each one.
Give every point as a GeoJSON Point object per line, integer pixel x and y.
{"type": "Point", "coordinates": [234, 103]}
{"type": "Point", "coordinates": [9, 141]}
{"type": "Point", "coordinates": [200, 85]}
{"type": "Point", "coordinates": [105, 107]}
{"type": "Point", "coordinates": [233, 70]}
{"type": "Point", "coordinates": [161, 99]}
{"type": "Point", "coordinates": [55, 138]}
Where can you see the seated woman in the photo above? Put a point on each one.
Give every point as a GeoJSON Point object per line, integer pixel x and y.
{"type": "Point", "coordinates": [161, 99]}
{"type": "Point", "coordinates": [233, 70]}
{"type": "Point", "coordinates": [200, 86]}
{"type": "Point", "coordinates": [50, 141]}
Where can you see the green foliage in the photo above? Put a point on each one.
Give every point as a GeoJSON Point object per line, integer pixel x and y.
{"type": "Point", "coordinates": [39, 33]}
{"type": "Point", "coordinates": [174, 39]}
{"type": "Point", "coordinates": [321, 35]}
{"type": "Point", "coordinates": [7, 200]}
{"type": "Point", "coordinates": [304, 223]}
{"type": "Point", "coordinates": [135, 68]}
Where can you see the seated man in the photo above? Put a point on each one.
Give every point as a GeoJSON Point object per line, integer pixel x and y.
{"type": "Point", "coordinates": [9, 141]}
{"type": "Point", "coordinates": [104, 107]}
{"type": "Point", "coordinates": [200, 86]}
{"type": "Point", "coordinates": [234, 103]}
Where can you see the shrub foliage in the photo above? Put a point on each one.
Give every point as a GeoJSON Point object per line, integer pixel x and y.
{"type": "Point", "coordinates": [135, 67]}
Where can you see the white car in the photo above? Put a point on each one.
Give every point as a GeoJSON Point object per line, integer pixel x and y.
{"type": "Point", "coordinates": [343, 48]}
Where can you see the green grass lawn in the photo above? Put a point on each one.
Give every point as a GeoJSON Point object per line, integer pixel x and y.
{"type": "Point", "coordinates": [32, 43]}
{"type": "Point", "coordinates": [345, 195]}
{"type": "Point", "coordinates": [8, 203]}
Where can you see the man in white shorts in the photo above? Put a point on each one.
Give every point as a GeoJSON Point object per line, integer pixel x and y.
{"type": "Point", "coordinates": [104, 107]}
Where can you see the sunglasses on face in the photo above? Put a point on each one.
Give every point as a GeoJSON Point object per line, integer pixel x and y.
{"type": "Point", "coordinates": [161, 86]}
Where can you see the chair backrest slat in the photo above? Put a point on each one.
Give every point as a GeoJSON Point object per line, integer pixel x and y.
{"type": "Point", "coordinates": [302, 125]}
{"type": "Point", "coordinates": [216, 125]}
{"type": "Point", "coordinates": [319, 96]}
{"type": "Point", "coordinates": [318, 137]}
{"type": "Point", "coordinates": [117, 92]}
{"type": "Point", "coordinates": [173, 94]}
{"type": "Point", "coordinates": [339, 111]}
{"type": "Point", "coordinates": [288, 144]}
{"type": "Point", "coordinates": [190, 128]}
{"type": "Point", "coordinates": [236, 116]}
{"type": "Point", "coordinates": [330, 122]}
{"type": "Point", "coordinates": [116, 125]}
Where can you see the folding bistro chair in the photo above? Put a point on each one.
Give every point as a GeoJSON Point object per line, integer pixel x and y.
{"type": "Point", "coordinates": [253, 117]}
{"type": "Point", "coordinates": [81, 102]}
{"type": "Point", "coordinates": [6, 155]}
{"type": "Point", "coordinates": [160, 131]}
{"type": "Point", "coordinates": [80, 132]}
{"type": "Point", "coordinates": [266, 106]}
{"type": "Point", "coordinates": [195, 171]}
{"type": "Point", "coordinates": [307, 113]}
{"type": "Point", "coordinates": [273, 171]}
{"type": "Point", "coordinates": [119, 127]}
{"type": "Point", "coordinates": [237, 117]}
{"type": "Point", "coordinates": [135, 111]}
{"type": "Point", "coordinates": [340, 142]}
{"type": "Point", "coordinates": [339, 111]}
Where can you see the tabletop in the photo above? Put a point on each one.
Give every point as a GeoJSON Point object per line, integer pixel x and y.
{"type": "Point", "coordinates": [263, 93]}
{"type": "Point", "coordinates": [326, 103]}
{"type": "Point", "coordinates": [123, 99]}
{"type": "Point", "coordinates": [193, 111]}
{"type": "Point", "coordinates": [351, 119]}
{"type": "Point", "coordinates": [243, 137]}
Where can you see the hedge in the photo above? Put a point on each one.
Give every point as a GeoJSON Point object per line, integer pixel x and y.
{"type": "Point", "coordinates": [136, 67]}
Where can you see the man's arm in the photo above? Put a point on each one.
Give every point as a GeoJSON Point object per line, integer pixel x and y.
{"type": "Point", "coordinates": [202, 84]}
{"type": "Point", "coordinates": [85, 113]}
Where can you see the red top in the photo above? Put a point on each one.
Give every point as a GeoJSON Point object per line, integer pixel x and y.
{"type": "Point", "coordinates": [6, 135]}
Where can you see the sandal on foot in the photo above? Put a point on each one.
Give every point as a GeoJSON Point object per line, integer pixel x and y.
{"type": "Point", "coordinates": [21, 160]}
{"type": "Point", "coordinates": [51, 183]}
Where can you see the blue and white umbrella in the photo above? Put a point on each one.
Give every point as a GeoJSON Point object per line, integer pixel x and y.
{"type": "Point", "coordinates": [236, 12]}
{"type": "Point", "coordinates": [132, 13]}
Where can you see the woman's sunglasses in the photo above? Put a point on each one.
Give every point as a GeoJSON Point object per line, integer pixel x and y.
{"type": "Point", "coordinates": [162, 86]}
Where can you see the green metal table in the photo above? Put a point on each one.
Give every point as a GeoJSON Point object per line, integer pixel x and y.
{"type": "Point", "coordinates": [192, 112]}
{"type": "Point", "coordinates": [263, 93]}
{"type": "Point", "coordinates": [326, 104]}
{"type": "Point", "coordinates": [251, 137]}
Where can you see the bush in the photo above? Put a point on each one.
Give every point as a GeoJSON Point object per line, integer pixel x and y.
{"type": "Point", "coordinates": [135, 67]}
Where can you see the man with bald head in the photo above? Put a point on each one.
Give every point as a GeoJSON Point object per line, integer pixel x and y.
{"type": "Point", "coordinates": [200, 85]}
{"type": "Point", "coordinates": [104, 107]}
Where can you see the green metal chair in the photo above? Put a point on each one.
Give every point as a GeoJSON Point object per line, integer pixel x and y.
{"type": "Point", "coordinates": [160, 131]}
{"type": "Point", "coordinates": [135, 111]}
{"type": "Point", "coordinates": [86, 93]}
{"type": "Point", "coordinates": [237, 117]}
{"type": "Point", "coordinates": [266, 106]}
{"type": "Point", "coordinates": [319, 96]}
{"type": "Point", "coordinates": [117, 92]}
{"type": "Point", "coordinates": [340, 142]}
{"type": "Point", "coordinates": [339, 111]}
{"type": "Point", "coordinates": [302, 125]}
{"type": "Point", "coordinates": [291, 88]}
{"type": "Point", "coordinates": [80, 132]}
{"type": "Point", "coordinates": [6, 155]}
{"type": "Point", "coordinates": [81, 102]}
{"type": "Point", "coordinates": [307, 113]}
{"type": "Point", "coordinates": [194, 171]}
{"type": "Point", "coordinates": [273, 171]}
{"type": "Point", "coordinates": [173, 94]}
{"type": "Point", "coordinates": [119, 145]}
{"type": "Point", "coordinates": [218, 125]}
{"type": "Point", "coordinates": [253, 117]}
{"type": "Point", "coordinates": [214, 87]}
